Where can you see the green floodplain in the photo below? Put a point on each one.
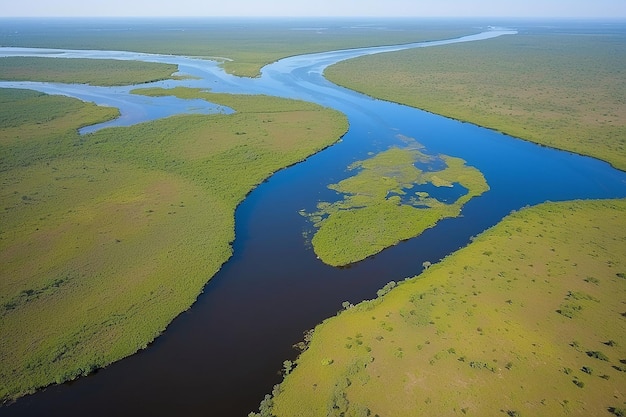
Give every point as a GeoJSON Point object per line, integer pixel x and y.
{"type": "Point", "coordinates": [563, 90]}
{"type": "Point", "coordinates": [528, 319]}
{"type": "Point", "coordinates": [533, 307]}
{"type": "Point", "coordinates": [115, 218]}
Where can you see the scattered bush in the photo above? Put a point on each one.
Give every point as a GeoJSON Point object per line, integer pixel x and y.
{"type": "Point", "coordinates": [598, 355]}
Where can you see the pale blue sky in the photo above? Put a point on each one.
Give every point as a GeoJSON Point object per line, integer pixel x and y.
{"type": "Point", "coordinates": [424, 8]}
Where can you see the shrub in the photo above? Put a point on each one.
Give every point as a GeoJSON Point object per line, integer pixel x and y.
{"type": "Point", "coordinates": [598, 355]}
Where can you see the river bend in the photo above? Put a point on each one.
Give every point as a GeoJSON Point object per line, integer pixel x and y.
{"type": "Point", "coordinates": [225, 353]}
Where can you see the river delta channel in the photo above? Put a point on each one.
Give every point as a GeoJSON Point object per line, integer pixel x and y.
{"type": "Point", "coordinates": [223, 355]}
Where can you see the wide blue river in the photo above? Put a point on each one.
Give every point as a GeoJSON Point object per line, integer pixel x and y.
{"type": "Point", "coordinates": [221, 357]}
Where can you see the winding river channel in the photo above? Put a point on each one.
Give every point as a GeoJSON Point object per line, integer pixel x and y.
{"type": "Point", "coordinates": [223, 355]}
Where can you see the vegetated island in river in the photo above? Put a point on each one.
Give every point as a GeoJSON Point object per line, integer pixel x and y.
{"type": "Point", "coordinates": [529, 318]}
{"type": "Point", "coordinates": [107, 237]}
{"type": "Point", "coordinates": [385, 202]}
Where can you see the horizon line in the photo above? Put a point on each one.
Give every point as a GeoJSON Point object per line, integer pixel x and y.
{"type": "Point", "coordinates": [311, 17]}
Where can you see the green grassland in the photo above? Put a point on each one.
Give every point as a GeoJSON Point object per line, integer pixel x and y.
{"type": "Point", "coordinates": [243, 45]}
{"type": "Point", "coordinates": [382, 204]}
{"type": "Point", "coordinates": [561, 90]}
{"type": "Point", "coordinates": [527, 320]}
{"type": "Point", "coordinates": [105, 72]}
{"type": "Point", "coordinates": [105, 238]}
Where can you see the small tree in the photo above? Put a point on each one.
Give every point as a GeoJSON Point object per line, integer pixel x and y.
{"type": "Point", "coordinates": [287, 367]}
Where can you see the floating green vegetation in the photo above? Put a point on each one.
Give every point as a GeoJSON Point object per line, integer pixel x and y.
{"type": "Point", "coordinates": [479, 334]}
{"type": "Point", "coordinates": [383, 203]}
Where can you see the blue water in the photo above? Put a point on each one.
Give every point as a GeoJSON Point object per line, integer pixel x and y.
{"type": "Point", "coordinates": [223, 355]}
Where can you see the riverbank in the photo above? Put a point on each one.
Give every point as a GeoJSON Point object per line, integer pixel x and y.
{"type": "Point", "coordinates": [526, 320]}
{"type": "Point", "coordinates": [115, 233]}
{"type": "Point", "coordinates": [562, 90]}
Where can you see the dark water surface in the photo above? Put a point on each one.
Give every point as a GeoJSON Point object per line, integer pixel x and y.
{"type": "Point", "coordinates": [221, 357]}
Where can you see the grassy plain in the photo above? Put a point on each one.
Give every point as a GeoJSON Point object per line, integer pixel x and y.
{"type": "Point", "coordinates": [381, 204]}
{"type": "Point", "coordinates": [244, 45]}
{"type": "Point", "coordinates": [561, 90]}
{"type": "Point", "coordinates": [105, 72]}
{"type": "Point", "coordinates": [106, 237]}
{"type": "Point", "coordinates": [527, 320]}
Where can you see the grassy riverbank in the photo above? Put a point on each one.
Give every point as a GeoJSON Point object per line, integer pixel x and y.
{"type": "Point", "coordinates": [562, 90]}
{"type": "Point", "coordinates": [105, 72]}
{"type": "Point", "coordinates": [527, 320]}
{"type": "Point", "coordinates": [382, 204]}
{"type": "Point", "coordinates": [244, 45]}
{"type": "Point", "coordinates": [105, 238]}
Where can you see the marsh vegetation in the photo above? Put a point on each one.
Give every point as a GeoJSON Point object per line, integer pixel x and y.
{"type": "Point", "coordinates": [480, 332]}
{"type": "Point", "coordinates": [386, 202]}
{"type": "Point", "coordinates": [561, 90]}
{"type": "Point", "coordinates": [107, 237]}
{"type": "Point", "coordinates": [105, 72]}
{"type": "Point", "coordinates": [243, 46]}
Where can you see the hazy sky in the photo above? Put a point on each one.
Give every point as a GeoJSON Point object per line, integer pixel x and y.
{"type": "Point", "coordinates": [426, 8]}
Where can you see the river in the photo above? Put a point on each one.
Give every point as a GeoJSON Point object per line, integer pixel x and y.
{"type": "Point", "coordinates": [221, 357]}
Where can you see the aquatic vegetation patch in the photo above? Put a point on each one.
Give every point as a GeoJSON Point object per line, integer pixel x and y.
{"type": "Point", "coordinates": [384, 202]}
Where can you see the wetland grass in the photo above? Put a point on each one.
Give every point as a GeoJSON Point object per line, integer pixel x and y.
{"type": "Point", "coordinates": [480, 333]}
{"type": "Point", "coordinates": [107, 237]}
{"type": "Point", "coordinates": [560, 90]}
{"type": "Point", "coordinates": [243, 45]}
{"type": "Point", "coordinates": [104, 72]}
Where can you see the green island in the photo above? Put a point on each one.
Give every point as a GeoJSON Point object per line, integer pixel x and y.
{"type": "Point", "coordinates": [560, 90]}
{"type": "Point", "coordinates": [104, 72]}
{"type": "Point", "coordinates": [383, 205]}
{"type": "Point", "coordinates": [528, 319]}
{"type": "Point", "coordinates": [106, 237]}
